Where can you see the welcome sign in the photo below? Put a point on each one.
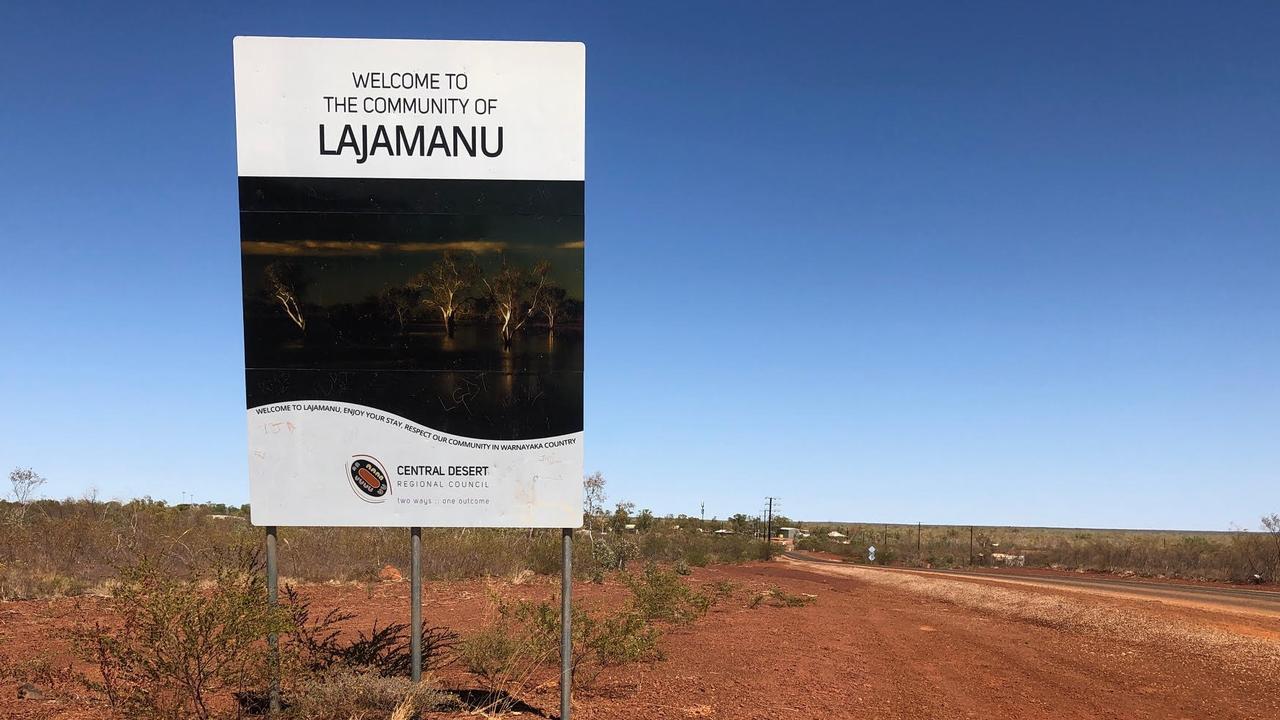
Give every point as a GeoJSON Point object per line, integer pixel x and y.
{"type": "Point", "coordinates": [411, 235]}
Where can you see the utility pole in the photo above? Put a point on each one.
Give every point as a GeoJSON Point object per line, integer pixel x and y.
{"type": "Point", "coordinates": [970, 544]}
{"type": "Point", "coordinates": [768, 525]}
{"type": "Point", "coordinates": [917, 540]}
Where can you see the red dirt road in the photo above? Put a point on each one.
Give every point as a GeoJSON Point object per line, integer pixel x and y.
{"type": "Point", "coordinates": [868, 647]}
{"type": "Point", "coordinates": [1249, 599]}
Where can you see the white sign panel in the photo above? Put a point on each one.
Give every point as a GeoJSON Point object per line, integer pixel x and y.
{"type": "Point", "coordinates": [311, 107]}
{"type": "Point", "coordinates": [411, 218]}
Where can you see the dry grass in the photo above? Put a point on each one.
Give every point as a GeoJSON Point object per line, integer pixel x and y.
{"type": "Point", "coordinates": [345, 695]}
{"type": "Point", "coordinates": [777, 597]}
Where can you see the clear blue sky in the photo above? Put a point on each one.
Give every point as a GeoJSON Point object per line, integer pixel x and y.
{"type": "Point", "coordinates": [947, 262]}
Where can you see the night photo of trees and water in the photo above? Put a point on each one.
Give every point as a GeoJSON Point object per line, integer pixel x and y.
{"type": "Point", "coordinates": [456, 304]}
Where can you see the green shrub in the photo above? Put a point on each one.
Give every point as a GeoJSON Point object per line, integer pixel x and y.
{"type": "Point", "coordinates": [719, 590]}
{"type": "Point", "coordinates": [506, 656]}
{"type": "Point", "coordinates": [660, 594]}
{"type": "Point", "coordinates": [523, 643]}
{"type": "Point", "coordinates": [599, 639]}
{"type": "Point", "coordinates": [611, 552]}
{"type": "Point", "coordinates": [183, 643]}
{"type": "Point", "coordinates": [767, 551]}
{"type": "Point", "coordinates": [697, 556]}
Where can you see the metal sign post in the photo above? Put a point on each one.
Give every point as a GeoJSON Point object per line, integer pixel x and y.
{"type": "Point", "coordinates": [566, 618]}
{"type": "Point", "coordinates": [273, 640]}
{"type": "Point", "coordinates": [415, 599]}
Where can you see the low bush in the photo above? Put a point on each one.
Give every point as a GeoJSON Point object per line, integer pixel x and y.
{"type": "Point", "coordinates": [506, 656]}
{"type": "Point", "coordinates": [599, 639]}
{"type": "Point", "coordinates": [56, 678]}
{"type": "Point", "coordinates": [16, 584]}
{"type": "Point", "coordinates": [315, 644]}
{"type": "Point", "coordinates": [522, 645]}
{"type": "Point", "coordinates": [183, 644]}
{"type": "Point", "coordinates": [660, 594]}
{"type": "Point", "coordinates": [609, 553]}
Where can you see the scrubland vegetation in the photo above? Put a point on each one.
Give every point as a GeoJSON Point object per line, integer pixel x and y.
{"type": "Point", "coordinates": [76, 546]}
{"type": "Point", "coordinates": [68, 547]}
{"type": "Point", "coordinates": [1236, 556]}
{"type": "Point", "coordinates": [184, 616]}
{"type": "Point", "coordinates": [182, 630]}
{"type": "Point", "coordinates": [168, 646]}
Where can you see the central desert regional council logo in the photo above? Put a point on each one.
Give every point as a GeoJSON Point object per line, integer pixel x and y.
{"type": "Point", "coordinates": [368, 479]}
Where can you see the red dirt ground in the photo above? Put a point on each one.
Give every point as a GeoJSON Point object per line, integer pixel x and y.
{"type": "Point", "coordinates": [863, 649]}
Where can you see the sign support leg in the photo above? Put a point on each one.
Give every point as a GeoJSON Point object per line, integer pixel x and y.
{"type": "Point", "coordinates": [415, 599]}
{"type": "Point", "coordinates": [273, 640]}
{"type": "Point", "coordinates": [566, 617]}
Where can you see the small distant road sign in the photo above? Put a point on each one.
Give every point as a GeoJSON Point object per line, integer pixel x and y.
{"type": "Point", "coordinates": [871, 553]}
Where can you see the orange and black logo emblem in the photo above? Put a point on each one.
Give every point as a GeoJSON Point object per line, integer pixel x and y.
{"type": "Point", "coordinates": [368, 478]}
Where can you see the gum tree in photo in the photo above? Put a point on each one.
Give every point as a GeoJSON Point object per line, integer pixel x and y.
{"type": "Point", "coordinates": [444, 286]}
{"type": "Point", "coordinates": [555, 305]}
{"type": "Point", "coordinates": [516, 294]}
{"type": "Point", "coordinates": [400, 301]}
{"type": "Point", "coordinates": [284, 283]}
